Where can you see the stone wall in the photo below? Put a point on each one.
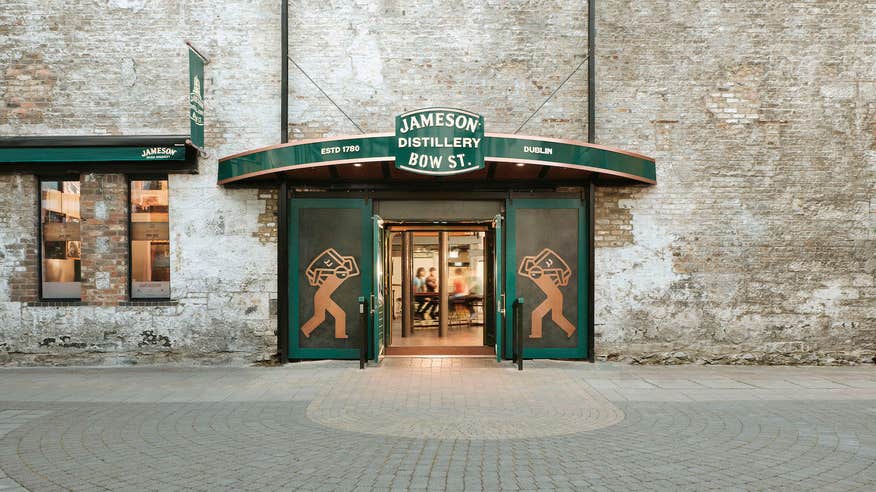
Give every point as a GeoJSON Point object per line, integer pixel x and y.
{"type": "Point", "coordinates": [758, 245]}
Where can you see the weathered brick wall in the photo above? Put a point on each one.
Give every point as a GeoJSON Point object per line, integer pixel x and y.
{"type": "Point", "coordinates": [377, 60]}
{"type": "Point", "coordinates": [757, 245]}
{"type": "Point", "coordinates": [119, 67]}
{"type": "Point", "coordinates": [267, 221]}
{"type": "Point", "coordinates": [103, 206]}
{"type": "Point", "coordinates": [18, 267]}
{"type": "Point", "coordinates": [18, 239]}
{"type": "Point", "coordinates": [613, 221]}
{"type": "Point", "coordinates": [29, 85]}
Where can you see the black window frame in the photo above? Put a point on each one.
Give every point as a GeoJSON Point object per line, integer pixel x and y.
{"type": "Point", "coordinates": [40, 246]}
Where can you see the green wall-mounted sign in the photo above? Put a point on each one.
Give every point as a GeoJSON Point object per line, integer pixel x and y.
{"type": "Point", "coordinates": [92, 154]}
{"type": "Point", "coordinates": [439, 141]}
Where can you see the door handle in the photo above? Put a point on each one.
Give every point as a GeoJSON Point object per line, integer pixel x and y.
{"type": "Point", "coordinates": [502, 304]}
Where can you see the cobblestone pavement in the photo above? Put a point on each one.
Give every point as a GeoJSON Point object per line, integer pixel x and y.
{"type": "Point", "coordinates": [438, 424]}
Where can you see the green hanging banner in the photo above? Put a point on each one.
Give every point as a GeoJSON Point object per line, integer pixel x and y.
{"type": "Point", "coordinates": [196, 96]}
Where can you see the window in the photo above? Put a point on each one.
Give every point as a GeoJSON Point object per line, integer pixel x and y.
{"type": "Point", "coordinates": [150, 240]}
{"type": "Point", "coordinates": [59, 222]}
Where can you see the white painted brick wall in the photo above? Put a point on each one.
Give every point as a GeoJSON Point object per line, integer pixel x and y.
{"type": "Point", "coordinates": [757, 245]}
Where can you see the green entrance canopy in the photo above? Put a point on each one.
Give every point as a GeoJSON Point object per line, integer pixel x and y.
{"type": "Point", "coordinates": [506, 155]}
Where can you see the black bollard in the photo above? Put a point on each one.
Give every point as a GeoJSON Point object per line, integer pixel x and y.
{"type": "Point", "coordinates": [363, 324]}
{"type": "Point", "coordinates": [517, 314]}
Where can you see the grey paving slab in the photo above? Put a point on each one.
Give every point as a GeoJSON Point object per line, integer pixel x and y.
{"type": "Point", "coordinates": [438, 424]}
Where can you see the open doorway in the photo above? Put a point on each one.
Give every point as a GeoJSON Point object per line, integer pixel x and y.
{"type": "Point", "coordinates": [440, 277]}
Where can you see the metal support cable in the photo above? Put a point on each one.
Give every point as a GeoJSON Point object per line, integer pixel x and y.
{"type": "Point", "coordinates": [591, 71]}
{"type": "Point", "coordinates": [553, 93]}
{"type": "Point", "coordinates": [284, 71]}
{"type": "Point", "coordinates": [326, 95]}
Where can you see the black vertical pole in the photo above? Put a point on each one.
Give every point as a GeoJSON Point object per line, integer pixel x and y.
{"type": "Point", "coordinates": [591, 269]}
{"type": "Point", "coordinates": [591, 71]}
{"type": "Point", "coordinates": [283, 273]}
{"type": "Point", "coordinates": [518, 331]}
{"type": "Point", "coordinates": [363, 326]}
{"type": "Point", "coordinates": [283, 197]}
{"type": "Point", "coordinates": [591, 188]}
{"type": "Point", "coordinates": [514, 352]}
{"type": "Point", "coordinates": [284, 72]}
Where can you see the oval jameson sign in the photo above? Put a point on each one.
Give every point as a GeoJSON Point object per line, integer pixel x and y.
{"type": "Point", "coordinates": [439, 141]}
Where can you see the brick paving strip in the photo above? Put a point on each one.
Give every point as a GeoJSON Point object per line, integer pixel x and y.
{"type": "Point", "coordinates": [438, 424]}
{"type": "Point", "coordinates": [465, 402]}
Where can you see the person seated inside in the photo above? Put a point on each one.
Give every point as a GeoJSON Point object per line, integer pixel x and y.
{"type": "Point", "coordinates": [419, 286]}
{"type": "Point", "coordinates": [460, 290]}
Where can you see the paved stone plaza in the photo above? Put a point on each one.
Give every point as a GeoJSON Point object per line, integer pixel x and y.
{"type": "Point", "coordinates": [439, 424]}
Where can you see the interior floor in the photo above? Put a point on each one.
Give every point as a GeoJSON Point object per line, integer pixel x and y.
{"type": "Point", "coordinates": [466, 335]}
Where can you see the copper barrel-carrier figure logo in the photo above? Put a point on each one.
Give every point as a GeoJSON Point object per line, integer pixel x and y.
{"type": "Point", "coordinates": [549, 272]}
{"type": "Point", "coordinates": [327, 272]}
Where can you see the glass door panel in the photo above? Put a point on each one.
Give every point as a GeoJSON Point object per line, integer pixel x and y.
{"type": "Point", "coordinates": [440, 288]}
{"type": "Point", "coordinates": [426, 285]}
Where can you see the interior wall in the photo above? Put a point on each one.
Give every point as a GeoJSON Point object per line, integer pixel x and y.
{"type": "Point", "coordinates": [439, 210]}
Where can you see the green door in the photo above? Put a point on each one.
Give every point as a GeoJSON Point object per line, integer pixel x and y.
{"type": "Point", "coordinates": [498, 294]}
{"type": "Point", "coordinates": [546, 264]}
{"type": "Point", "coordinates": [378, 300]}
{"type": "Point", "coordinates": [330, 267]}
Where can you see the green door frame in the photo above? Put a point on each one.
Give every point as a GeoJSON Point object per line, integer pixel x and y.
{"type": "Point", "coordinates": [366, 266]}
{"type": "Point", "coordinates": [506, 252]}
{"type": "Point", "coordinates": [511, 207]}
{"type": "Point", "coordinates": [378, 308]}
{"type": "Point", "coordinates": [498, 284]}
